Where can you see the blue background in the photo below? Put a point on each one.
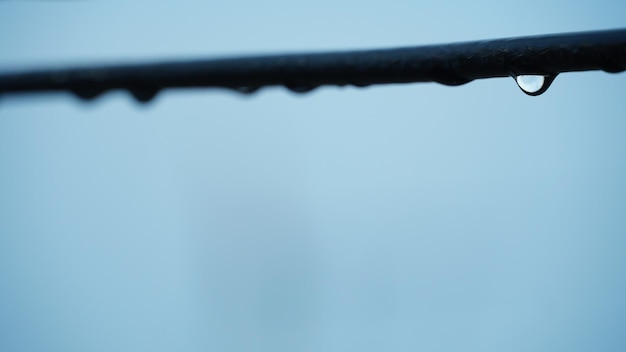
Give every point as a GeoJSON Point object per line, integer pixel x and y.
{"type": "Point", "coordinates": [391, 218]}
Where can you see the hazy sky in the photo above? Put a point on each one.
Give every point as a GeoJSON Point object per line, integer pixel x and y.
{"type": "Point", "coordinates": [391, 218]}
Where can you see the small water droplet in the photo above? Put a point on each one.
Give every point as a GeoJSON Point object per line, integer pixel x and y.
{"type": "Point", "coordinates": [247, 89]}
{"type": "Point", "coordinates": [87, 93]}
{"type": "Point", "coordinates": [612, 66]}
{"type": "Point", "coordinates": [534, 85]}
{"type": "Point", "coordinates": [144, 95]}
{"type": "Point", "coordinates": [300, 88]}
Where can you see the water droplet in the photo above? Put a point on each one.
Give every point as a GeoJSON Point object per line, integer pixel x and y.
{"type": "Point", "coordinates": [612, 65]}
{"type": "Point", "coordinates": [448, 78]}
{"type": "Point", "coordinates": [144, 95]}
{"type": "Point", "coordinates": [87, 93]}
{"type": "Point", "coordinates": [246, 89]}
{"type": "Point", "coordinates": [300, 88]}
{"type": "Point", "coordinates": [534, 85]}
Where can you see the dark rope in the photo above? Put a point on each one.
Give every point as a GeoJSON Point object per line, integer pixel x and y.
{"type": "Point", "coordinates": [449, 64]}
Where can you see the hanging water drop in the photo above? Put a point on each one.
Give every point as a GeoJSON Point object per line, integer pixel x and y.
{"type": "Point", "coordinates": [87, 93]}
{"type": "Point", "coordinates": [246, 89]}
{"type": "Point", "coordinates": [144, 95]}
{"type": "Point", "coordinates": [300, 88]}
{"type": "Point", "coordinates": [534, 85]}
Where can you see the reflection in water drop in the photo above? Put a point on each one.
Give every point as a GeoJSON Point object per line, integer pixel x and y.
{"type": "Point", "coordinates": [530, 83]}
{"type": "Point", "coordinates": [534, 84]}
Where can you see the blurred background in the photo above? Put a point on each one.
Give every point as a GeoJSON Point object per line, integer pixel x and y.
{"type": "Point", "coordinates": [390, 218]}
